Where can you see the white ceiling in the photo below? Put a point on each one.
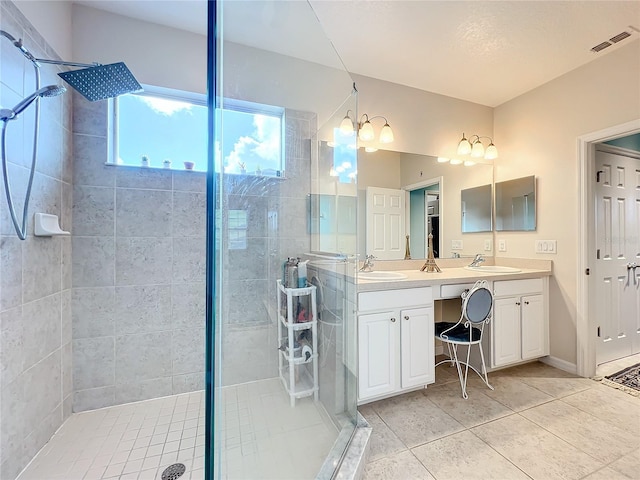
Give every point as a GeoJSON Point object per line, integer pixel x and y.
{"type": "Point", "coordinates": [485, 52]}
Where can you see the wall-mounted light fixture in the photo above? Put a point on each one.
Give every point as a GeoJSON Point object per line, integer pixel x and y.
{"type": "Point", "coordinates": [365, 128]}
{"type": "Point", "coordinates": [475, 148]}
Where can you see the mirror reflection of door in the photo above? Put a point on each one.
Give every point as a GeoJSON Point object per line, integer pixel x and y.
{"type": "Point", "coordinates": [424, 218]}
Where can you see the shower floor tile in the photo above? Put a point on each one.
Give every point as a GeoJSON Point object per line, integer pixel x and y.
{"type": "Point", "coordinates": [135, 441]}
{"type": "Point", "coordinates": [262, 437]}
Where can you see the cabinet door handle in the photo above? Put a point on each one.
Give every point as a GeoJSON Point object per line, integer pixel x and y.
{"type": "Point", "coordinates": [518, 303]}
{"type": "Point", "coordinates": [406, 317]}
{"type": "Point", "coordinates": [526, 303]}
{"type": "Point", "coordinates": [393, 319]}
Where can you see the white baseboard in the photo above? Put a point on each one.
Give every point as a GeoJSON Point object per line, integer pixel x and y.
{"type": "Point", "coordinates": [560, 364]}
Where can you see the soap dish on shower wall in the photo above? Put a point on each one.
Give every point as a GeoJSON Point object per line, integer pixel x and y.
{"type": "Point", "coordinates": [46, 225]}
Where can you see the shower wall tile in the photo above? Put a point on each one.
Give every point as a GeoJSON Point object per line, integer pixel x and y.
{"type": "Point", "coordinates": [93, 211]}
{"type": "Point", "coordinates": [10, 272]}
{"type": "Point", "coordinates": [134, 392]}
{"type": "Point", "coordinates": [140, 309]}
{"type": "Point", "coordinates": [144, 178]}
{"type": "Point", "coordinates": [189, 259]}
{"type": "Point", "coordinates": [34, 310]}
{"type": "Point", "coordinates": [246, 355]}
{"type": "Point", "coordinates": [67, 261]}
{"type": "Point", "coordinates": [93, 362]}
{"type": "Point", "coordinates": [11, 346]}
{"type": "Point", "coordinates": [142, 261]}
{"type": "Point", "coordinates": [94, 398]}
{"type": "Point", "coordinates": [12, 419]}
{"type": "Point", "coordinates": [89, 157]}
{"type": "Point", "coordinates": [93, 312]}
{"type": "Point", "coordinates": [241, 310]}
{"type": "Point", "coordinates": [188, 382]}
{"type": "Point", "coordinates": [50, 158]}
{"type": "Point", "coordinates": [188, 305]}
{"type": "Point", "coordinates": [67, 370]}
{"type": "Point", "coordinates": [143, 213]}
{"type": "Point", "coordinates": [46, 197]}
{"type": "Point", "coordinates": [292, 216]}
{"type": "Point", "coordinates": [249, 263]}
{"type": "Point", "coordinates": [42, 333]}
{"type": "Point", "coordinates": [42, 390]}
{"type": "Point", "coordinates": [93, 261]}
{"type": "Point", "coordinates": [256, 210]}
{"type": "Point", "coordinates": [89, 118]}
{"type": "Point", "coordinates": [66, 319]}
{"type": "Point", "coordinates": [41, 267]}
{"type": "Point", "coordinates": [189, 214]}
{"type": "Point", "coordinates": [18, 179]}
{"type": "Point", "coordinates": [66, 215]}
{"type": "Point", "coordinates": [189, 181]}
{"type": "Point", "coordinates": [187, 351]}
{"type": "Point", "coordinates": [142, 357]}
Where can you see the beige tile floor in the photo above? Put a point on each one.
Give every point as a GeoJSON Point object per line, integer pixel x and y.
{"type": "Point", "coordinates": [539, 422]}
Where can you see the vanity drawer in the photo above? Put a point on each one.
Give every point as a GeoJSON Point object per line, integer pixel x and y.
{"type": "Point", "coordinates": [408, 297]}
{"type": "Point", "coordinates": [517, 287]}
{"type": "Point", "coordinates": [454, 291]}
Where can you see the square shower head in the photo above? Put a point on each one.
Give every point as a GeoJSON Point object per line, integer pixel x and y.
{"type": "Point", "coordinates": [102, 81]}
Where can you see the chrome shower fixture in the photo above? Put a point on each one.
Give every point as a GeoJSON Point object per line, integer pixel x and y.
{"type": "Point", "coordinates": [93, 81]}
{"type": "Point", "coordinates": [7, 114]}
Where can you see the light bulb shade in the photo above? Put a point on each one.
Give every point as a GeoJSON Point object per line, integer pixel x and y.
{"type": "Point", "coordinates": [464, 147]}
{"type": "Point", "coordinates": [491, 153]}
{"type": "Point", "coordinates": [346, 126]}
{"type": "Point", "coordinates": [386, 134]}
{"type": "Point", "coordinates": [366, 133]}
{"type": "Point", "coordinates": [477, 150]}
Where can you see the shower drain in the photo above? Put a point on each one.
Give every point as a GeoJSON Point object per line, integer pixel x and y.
{"type": "Point", "coordinates": [172, 472]}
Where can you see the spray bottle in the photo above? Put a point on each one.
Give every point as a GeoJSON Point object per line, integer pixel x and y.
{"type": "Point", "coordinates": [302, 274]}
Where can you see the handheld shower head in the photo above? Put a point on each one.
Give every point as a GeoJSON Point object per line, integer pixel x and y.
{"type": "Point", "coordinates": [48, 91]}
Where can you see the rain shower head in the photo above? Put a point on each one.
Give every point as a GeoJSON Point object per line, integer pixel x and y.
{"type": "Point", "coordinates": [48, 91]}
{"type": "Point", "coordinates": [102, 81]}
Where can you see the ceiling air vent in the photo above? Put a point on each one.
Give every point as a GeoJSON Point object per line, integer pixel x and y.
{"type": "Point", "coordinates": [620, 36]}
{"type": "Point", "coordinates": [601, 46]}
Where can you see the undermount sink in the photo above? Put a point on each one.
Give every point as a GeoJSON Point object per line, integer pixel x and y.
{"type": "Point", "coordinates": [382, 275]}
{"type": "Point", "coordinates": [493, 269]}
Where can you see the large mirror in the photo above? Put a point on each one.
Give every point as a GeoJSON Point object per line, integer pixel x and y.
{"type": "Point", "coordinates": [432, 192]}
{"type": "Point", "coordinates": [516, 204]}
{"type": "Point", "coordinates": [476, 209]}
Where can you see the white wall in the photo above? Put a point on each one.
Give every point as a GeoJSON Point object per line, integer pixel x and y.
{"type": "Point", "coordinates": [537, 135]}
{"type": "Point", "coordinates": [52, 20]}
{"type": "Point", "coordinates": [155, 54]}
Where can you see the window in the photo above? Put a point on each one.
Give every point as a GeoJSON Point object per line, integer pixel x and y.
{"type": "Point", "coordinates": [165, 128]}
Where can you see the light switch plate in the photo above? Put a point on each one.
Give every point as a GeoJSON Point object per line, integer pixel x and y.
{"type": "Point", "coordinates": [502, 245]}
{"type": "Point", "coordinates": [546, 246]}
{"type": "Point", "coordinates": [456, 244]}
{"type": "Point", "coordinates": [487, 245]}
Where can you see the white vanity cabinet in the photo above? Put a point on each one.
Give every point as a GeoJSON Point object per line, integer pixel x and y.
{"type": "Point", "coordinates": [520, 325]}
{"type": "Point", "coordinates": [395, 341]}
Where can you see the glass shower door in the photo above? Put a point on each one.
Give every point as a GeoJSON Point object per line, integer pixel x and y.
{"type": "Point", "coordinates": [281, 388]}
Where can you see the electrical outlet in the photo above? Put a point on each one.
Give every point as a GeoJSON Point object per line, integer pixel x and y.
{"type": "Point", "coordinates": [456, 244]}
{"type": "Point", "coordinates": [502, 245]}
{"type": "Point", "coordinates": [487, 245]}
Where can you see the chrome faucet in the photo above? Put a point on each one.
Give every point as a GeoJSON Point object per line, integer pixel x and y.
{"type": "Point", "coordinates": [477, 261]}
{"type": "Point", "coordinates": [367, 265]}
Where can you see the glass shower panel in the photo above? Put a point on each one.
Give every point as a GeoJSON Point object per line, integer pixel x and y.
{"type": "Point", "coordinates": [284, 400]}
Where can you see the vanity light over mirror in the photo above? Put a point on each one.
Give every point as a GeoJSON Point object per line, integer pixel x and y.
{"type": "Point", "coordinates": [431, 192]}
{"type": "Point", "coordinates": [516, 204]}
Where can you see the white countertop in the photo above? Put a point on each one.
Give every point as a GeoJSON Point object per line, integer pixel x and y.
{"type": "Point", "coordinates": [416, 278]}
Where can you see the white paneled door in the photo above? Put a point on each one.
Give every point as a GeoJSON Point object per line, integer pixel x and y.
{"type": "Point", "coordinates": [385, 223]}
{"type": "Point", "coordinates": [617, 302]}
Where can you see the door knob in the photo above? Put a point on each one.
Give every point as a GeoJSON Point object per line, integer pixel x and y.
{"type": "Point", "coordinates": [406, 317]}
{"type": "Point", "coordinates": [393, 319]}
{"type": "Point", "coordinates": [518, 303]}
